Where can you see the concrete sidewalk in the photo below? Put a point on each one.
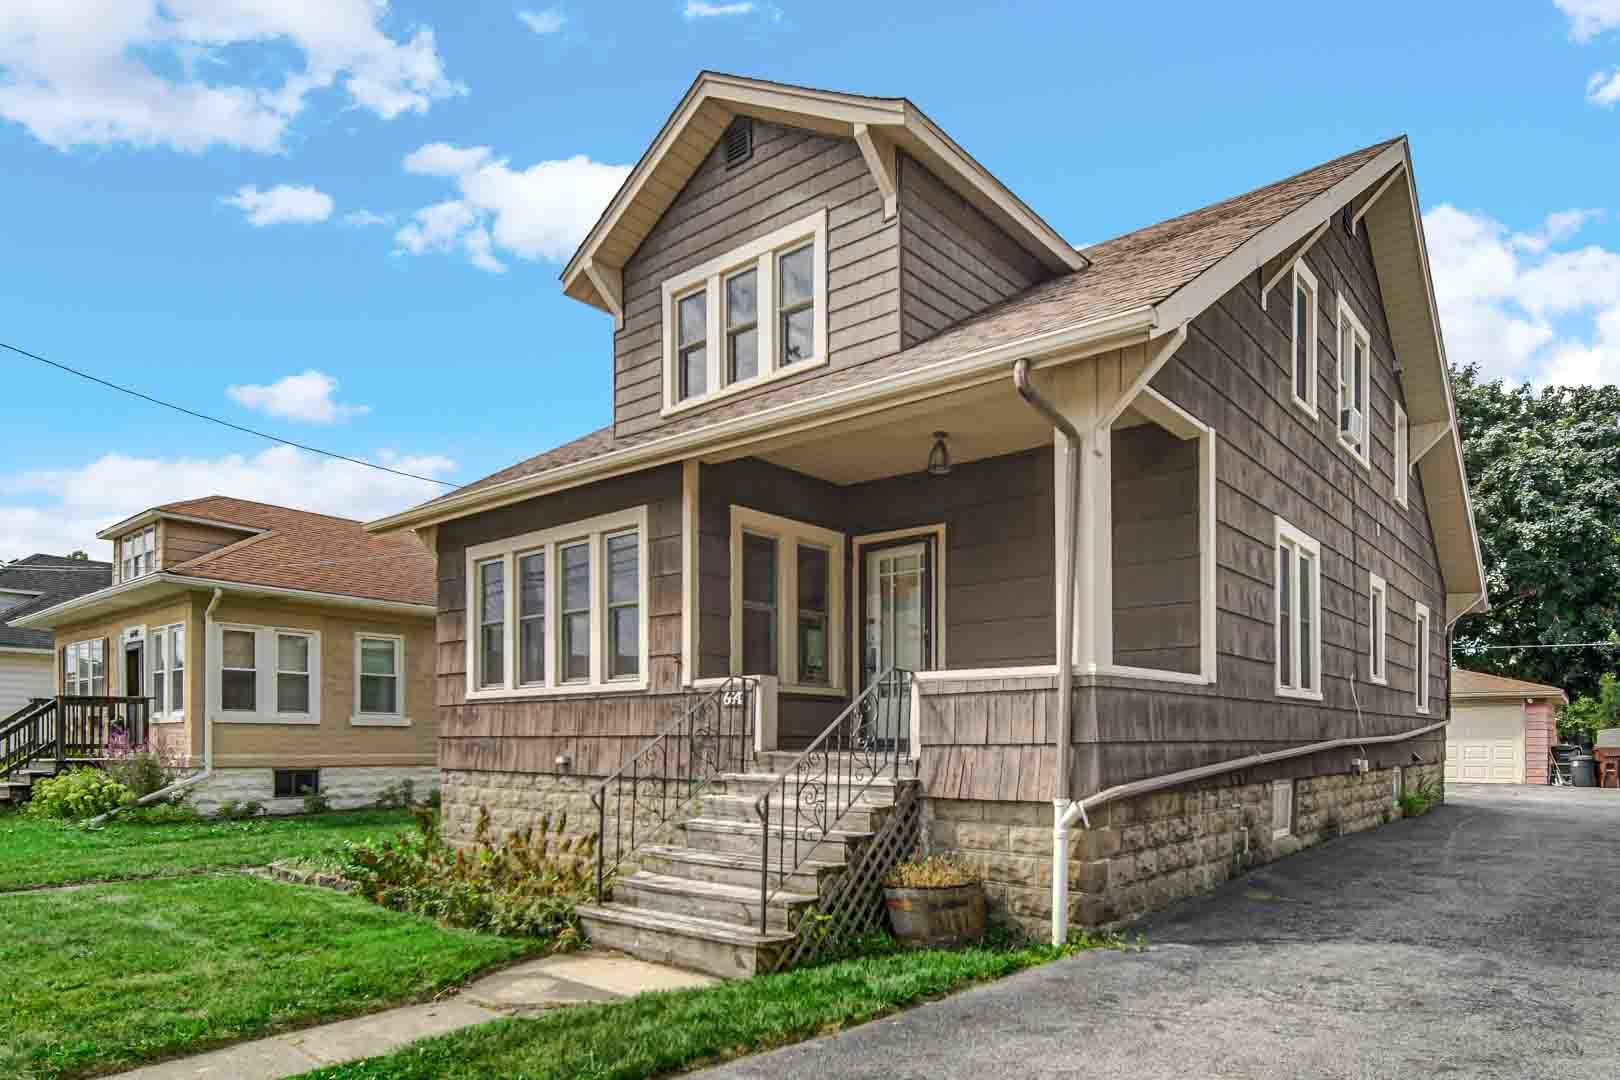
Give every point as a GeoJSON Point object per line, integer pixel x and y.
{"type": "Point", "coordinates": [524, 990]}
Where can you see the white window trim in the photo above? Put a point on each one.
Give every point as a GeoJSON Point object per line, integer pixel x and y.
{"type": "Point", "coordinates": [399, 717]}
{"type": "Point", "coordinates": [1297, 541]}
{"type": "Point", "coordinates": [1287, 828]}
{"type": "Point", "coordinates": [148, 535]}
{"type": "Point", "coordinates": [788, 534]}
{"type": "Point", "coordinates": [710, 277]}
{"type": "Point", "coordinates": [1377, 629]}
{"type": "Point", "coordinates": [1421, 621]}
{"type": "Point", "coordinates": [1403, 461]}
{"type": "Point", "coordinates": [170, 715]}
{"type": "Point", "coordinates": [593, 531]}
{"type": "Point", "coordinates": [69, 650]}
{"type": "Point", "coordinates": [1308, 402]}
{"type": "Point", "coordinates": [265, 659]}
{"type": "Point", "coordinates": [1359, 452]}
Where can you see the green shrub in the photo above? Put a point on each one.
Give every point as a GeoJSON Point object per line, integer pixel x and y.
{"type": "Point", "coordinates": [526, 885]}
{"type": "Point", "coordinates": [160, 813]}
{"type": "Point", "coordinates": [397, 796]}
{"type": "Point", "coordinates": [142, 771]}
{"type": "Point", "coordinates": [934, 872]}
{"type": "Point", "coordinates": [81, 793]}
{"type": "Point", "coordinates": [231, 810]}
{"type": "Point", "coordinates": [1419, 799]}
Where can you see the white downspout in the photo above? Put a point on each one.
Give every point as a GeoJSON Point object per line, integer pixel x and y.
{"type": "Point", "coordinates": [207, 721]}
{"type": "Point", "coordinates": [1063, 815]}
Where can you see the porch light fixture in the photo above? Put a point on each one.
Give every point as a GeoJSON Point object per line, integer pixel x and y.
{"type": "Point", "coordinates": [939, 458]}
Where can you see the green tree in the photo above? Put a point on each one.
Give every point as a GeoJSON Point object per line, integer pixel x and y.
{"type": "Point", "coordinates": [1544, 468]}
{"type": "Point", "coordinates": [1585, 716]}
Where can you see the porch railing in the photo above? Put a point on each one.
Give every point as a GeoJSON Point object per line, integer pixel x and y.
{"type": "Point", "coordinates": [709, 739]}
{"type": "Point", "coordinates": [866, 742]}
{"type": "Point", "coordinates": [63, 729]}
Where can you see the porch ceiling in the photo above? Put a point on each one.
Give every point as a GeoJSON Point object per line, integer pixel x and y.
{"type": "Point", "coordinates": [980, 422]}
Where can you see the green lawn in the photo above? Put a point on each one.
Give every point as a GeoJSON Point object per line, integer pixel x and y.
{"type": "Point", "coordinates": [657, 1034]}
{"type": "Point", "coordinates": [105, 976]}
{"type": "Point", "coordinates": [35, 853]}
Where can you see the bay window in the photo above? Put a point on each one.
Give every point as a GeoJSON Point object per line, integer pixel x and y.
{"type": "Point", "coordinates": [754, 314]}
{"type": "Point", "coordinates": [576, 620]}
{"type": "Point", "coordinates": [787, 599]}
{"type": "Point", "coordinates": [379, 686]}
{"type": "Point", "coordinates": [1298, 613]}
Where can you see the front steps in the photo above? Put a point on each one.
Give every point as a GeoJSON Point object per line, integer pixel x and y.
{"type": "Point", "coordinates": [16, 789]}
{"type": "Point", "coordinates": [695, 903]}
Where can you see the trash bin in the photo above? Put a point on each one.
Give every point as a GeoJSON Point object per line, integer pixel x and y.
{"type": "Point", "coordinates": [1583, 770]}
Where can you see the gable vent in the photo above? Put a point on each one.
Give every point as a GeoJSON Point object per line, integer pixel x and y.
{"type": "Point", "coordinates": [739, 141]}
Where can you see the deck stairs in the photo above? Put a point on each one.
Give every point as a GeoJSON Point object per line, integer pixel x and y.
{"type": "Point", "coordinates": [695, 902]}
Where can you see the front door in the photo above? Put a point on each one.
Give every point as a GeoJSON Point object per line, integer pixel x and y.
{"type": "Point", "coordinates": [897, 608]}
{"type": "Point", "coordinates": [134, 668]}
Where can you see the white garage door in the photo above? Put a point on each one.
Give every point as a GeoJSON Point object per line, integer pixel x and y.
{"type": "Point", "coordinates": [1485, 744]}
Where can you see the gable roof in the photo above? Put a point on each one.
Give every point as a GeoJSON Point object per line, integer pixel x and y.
{"type": "Point", "coordinates": [879, 124]}
{"type": "Point", "coordinates": [1477, 684]}
{"type": "Point", "coordinates": [53, 578]}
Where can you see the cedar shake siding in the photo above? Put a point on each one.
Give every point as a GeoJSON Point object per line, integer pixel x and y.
{"type": "Point", "coordinates": [182, 541]}
{"type": "Point", "coordinates": [953, 262]}
{"type": "Point", "coordinates": [1156, 568]}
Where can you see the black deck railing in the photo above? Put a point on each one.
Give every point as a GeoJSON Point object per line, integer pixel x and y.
{"type": "Point", "coordinates": [713, 737]}
{"type": "Point", "coordinates": [868, 740]}
{"type": "Point", "coordinates": [65, 729]}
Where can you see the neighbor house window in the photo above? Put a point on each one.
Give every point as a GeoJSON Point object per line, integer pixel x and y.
{"type": "Point", "coordinates": [1420, 659]}
{"type": "Point", "coordinates": [166, 649]}
{"type": "Point", "coordinates": [1377, 628]}
{"type": "Point", "coordinates": [787, 599]}
{"type": "Point", "coordinates": [1299, 613]}
{"type": "Point", "coordinates": [1355, 358]}
{"type": "Point", "coordinates": [379, 679]}
{"type": "Point", "coordinates": [763, 304]}
{"type": "Point", "coordinates": [138, 553]}
{"type": "Point", "coordinates": [1282, 808]}
{"type": "Point", "coordinates": [1304, 338]}
{"type": "Point", "coordinates": [577, 618]}
{"type": "Point", "coordinates": [1403, 454]}
{"type": "Point", "coordinates": [268, 675]}
{"type": "Point", "coordinates": [84, 668]}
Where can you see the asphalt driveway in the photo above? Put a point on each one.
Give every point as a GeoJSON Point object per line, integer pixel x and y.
{"type": "Point", "coordinates": [1469, 942]}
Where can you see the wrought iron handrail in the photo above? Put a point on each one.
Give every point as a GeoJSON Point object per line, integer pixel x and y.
{"type": "Point", "coordinates": [712, 737]}
{"type": "Point", "coordinates": [829, 777]}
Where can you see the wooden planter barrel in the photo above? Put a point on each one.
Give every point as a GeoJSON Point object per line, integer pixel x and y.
{"type": "Point", "coordinates": [926, 918]}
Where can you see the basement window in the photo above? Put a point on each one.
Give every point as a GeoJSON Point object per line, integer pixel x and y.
{"type": "Point", "coordinates": [1282, 808]}
{"type": "Point", "coordinates": [294, 783]}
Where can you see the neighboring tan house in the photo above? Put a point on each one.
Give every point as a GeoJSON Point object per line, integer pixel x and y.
{"type": "Point", "coordinates": [281, 649]}
{"type": "Point", "coordinates": [875, 426]}
{"type": "Point", "coordinates": [26, 586]}
{"type": "Point", "coordinates": [1502, 730]}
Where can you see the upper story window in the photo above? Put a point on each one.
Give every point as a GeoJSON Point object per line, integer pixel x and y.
{"type": "Point", "coordinates": [562, 610]}
{"type": "Point", "coordinates": [137, 553]}
{"type": "Point", "coordinates": [1355, 358]}
{"type": "Point", "coordinates": [786, 601]}
{"type": "Point", "coordinates": [752, 315]}
{"type": "Point", "coordinates": [1299, 613]}
{"type": "Point", "coordinates": [1403, 459]}
{"type": "Point", "coordinates": [1304, 338]}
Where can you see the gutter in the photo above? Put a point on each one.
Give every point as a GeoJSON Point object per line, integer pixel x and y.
{"type": "Point", "coordinates": [194, 779]}
{"type": "Point", "coordinates": [1061, 806]}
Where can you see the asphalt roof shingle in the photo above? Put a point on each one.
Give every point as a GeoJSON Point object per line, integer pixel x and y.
{"type": "Point", "coordinates": [1478, 684]}
{"type": "Point", "coordinates": [56, 578]}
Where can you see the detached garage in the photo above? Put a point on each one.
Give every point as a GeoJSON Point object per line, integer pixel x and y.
{"type": "Point", "coordinates": [1502, 730]}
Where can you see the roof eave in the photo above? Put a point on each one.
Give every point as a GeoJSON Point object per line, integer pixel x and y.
{"type": "Point", "coordinates": [162, 581]}
{"type": "Point", "coordinates": [146, 517]}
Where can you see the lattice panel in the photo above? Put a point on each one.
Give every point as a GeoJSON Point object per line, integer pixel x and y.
{"type": "Point", "coordinates": [852, 905]}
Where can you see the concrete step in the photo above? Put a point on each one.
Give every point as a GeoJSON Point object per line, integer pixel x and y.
{"type": "Point", "coordinates": [732, 868]}
{"type": "Point", "coordinates": [735, 904]}
{"type": "Point", "coordinates": [706, 945]}
{"type": "Point", "coordinates": [862, 817]}
{"type": "Point", "coordinates": [880, 792]}
{"type": "Point", "coordinates": [718, 834]}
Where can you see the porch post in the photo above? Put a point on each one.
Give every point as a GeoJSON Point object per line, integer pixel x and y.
{"type": "Point", "coordinates": [765, 720]}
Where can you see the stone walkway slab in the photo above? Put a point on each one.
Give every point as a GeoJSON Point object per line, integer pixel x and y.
{"type": "Point", "coordinates": [523, 990]}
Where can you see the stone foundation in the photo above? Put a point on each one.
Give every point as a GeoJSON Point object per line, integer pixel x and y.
{"type": "Point", "coordinates": [1144, 854]}
{"type": "Point", "coordinates": [516, 802]}
{"type": "Point", "coordinates": [345, 788]}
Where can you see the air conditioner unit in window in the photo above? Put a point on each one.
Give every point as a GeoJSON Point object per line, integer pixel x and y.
{"type": "Point", "coordinates": [1350, 424]}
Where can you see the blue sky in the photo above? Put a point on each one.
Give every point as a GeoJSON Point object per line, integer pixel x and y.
{"type": "Point", "coordinates": [343, 221]}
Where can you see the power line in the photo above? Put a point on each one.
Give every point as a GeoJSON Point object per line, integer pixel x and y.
{"type": "Point", "coordinates": [222, 423]}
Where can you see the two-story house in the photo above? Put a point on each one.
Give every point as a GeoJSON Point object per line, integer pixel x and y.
{"type": "Point", "coordinates": [1156, 544]}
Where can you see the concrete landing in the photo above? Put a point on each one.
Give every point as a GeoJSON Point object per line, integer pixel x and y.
{"type": "Point", "coordinates": [523, 990]}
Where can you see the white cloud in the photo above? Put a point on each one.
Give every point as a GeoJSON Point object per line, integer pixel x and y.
{"type": "Point", "coordinates": [190, 74]}
{"type": "Point", "coordinates": [702, 9]}
{"type": "Point", "coordinates": [306, 398]}
{"type": "Point", "coordinates": [1521, 308]}
{"type": "Point", "coordinates": [58, 510]}
{"type": "Point", "coordinates": [543, 22]}
{"type": "Point", "coordinates": [284, 204]}
{"type": "Point", "coordinates": [361, 218]}
{"type": "Point", "coordinates": [538, 213]}
{"type": "Point", "coordinates": [1603, 88]}
{"type": "Point", "coordinates": [1589, 18]}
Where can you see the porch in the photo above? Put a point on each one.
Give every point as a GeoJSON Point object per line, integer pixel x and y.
{"type": "Point", "coordinates": [51, 734]}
